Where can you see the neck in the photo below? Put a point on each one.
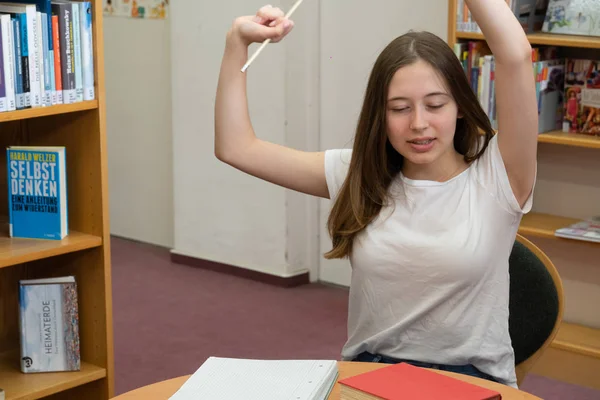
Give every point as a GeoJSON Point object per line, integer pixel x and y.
{"type": "Point", "coordinates": [442, 170]}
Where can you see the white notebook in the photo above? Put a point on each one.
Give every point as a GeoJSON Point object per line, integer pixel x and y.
{"type": "Point", "coordinates": [234, 379]}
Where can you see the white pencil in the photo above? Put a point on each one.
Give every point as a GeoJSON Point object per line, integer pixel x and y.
{"type": "Point", "coordinates": [266, 42]}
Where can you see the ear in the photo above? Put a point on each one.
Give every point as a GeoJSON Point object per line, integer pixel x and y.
{"type": "Point", "coordinates": [460, 114]}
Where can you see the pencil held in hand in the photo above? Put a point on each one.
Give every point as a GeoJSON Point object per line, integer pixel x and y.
{"type": "Point", "coordinates": [270, 15]}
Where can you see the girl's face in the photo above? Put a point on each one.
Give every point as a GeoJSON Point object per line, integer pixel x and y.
{"type": "Point", "coordinates": [421, 115]}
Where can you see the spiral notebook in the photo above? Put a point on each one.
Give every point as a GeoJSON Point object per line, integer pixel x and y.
{"type": "Point", "coordinates": [236, 378]}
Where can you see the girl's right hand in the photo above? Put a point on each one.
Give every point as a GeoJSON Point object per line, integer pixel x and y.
{"type": "Point", "coordinates": [268, 23]}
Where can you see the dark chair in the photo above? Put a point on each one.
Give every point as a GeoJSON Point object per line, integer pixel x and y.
{"type": "Point", "coordinates": [535, 306]}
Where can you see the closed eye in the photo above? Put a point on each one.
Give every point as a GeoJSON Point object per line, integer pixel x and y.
{"type": "Point", "coordinates": [436, 106]}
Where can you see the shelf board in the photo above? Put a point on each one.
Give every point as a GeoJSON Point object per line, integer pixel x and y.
{"type": "Point", "coordinates": [547, 39]}
{"type": "Point", "coordinates": [20, 386]}
{"type": "Point", "coordinates": [570, 139]}
{"type": "Point", "coordinates": [554, 39]}
{"type": "Point", "coordinates": [543, 225]}
{"type": "Point", "coordinates": [45, 111]}
{"type": "Point", "coordinates": [578, 339]}
{"type": "Point", "coordinates": [469, 35]}
{"type": "Point", "coordinates": [17, 251]}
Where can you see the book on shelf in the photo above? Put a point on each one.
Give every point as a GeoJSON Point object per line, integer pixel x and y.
{"type": "Point", "coordinates": [49, 325]}
{"type": "Point", "coordinates": [573, 17]}
{"type": "Point", "coordinates": [37, 192]}
{"type": "Point", "coordinates": [46, 53]}
{"type": "Point", "coordinates": [582, 96]}
{"type": "Point", "coordinates": [530, 14]}
{"type": "Point", "coordinates": [479, 66]}
{"type": "Point", "coordinates": [253, 379]}
{"type": "Point", "coordinates": [587, 230]}
{"type": "Point", "coordinates": [567, 89]}
{"type": "Point", "coordinates": [405, 381]}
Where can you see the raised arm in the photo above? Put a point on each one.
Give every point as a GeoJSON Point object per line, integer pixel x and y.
{"type": "Point", "coordinates": [235, 141]}
{"type": "Point", "coordinates": [515, 92]}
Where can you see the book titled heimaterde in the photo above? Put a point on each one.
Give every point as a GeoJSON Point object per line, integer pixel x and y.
{"type": "Point", "coordinates": [37, 192]}
{"type": "Point", "coordinates": [49, 325]}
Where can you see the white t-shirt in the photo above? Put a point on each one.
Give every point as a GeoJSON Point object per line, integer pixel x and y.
{"type": "Point", "coordinates": [430, 277]}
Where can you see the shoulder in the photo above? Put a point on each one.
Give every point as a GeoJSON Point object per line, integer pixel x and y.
{"type": "Point", "coordinates": [491, 151]}
{"type": "Point", "coordinates": [337, 164]}
{"type": "Point", "coordinates": [491, 173]}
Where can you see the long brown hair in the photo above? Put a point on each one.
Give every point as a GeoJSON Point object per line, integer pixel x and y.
{"type": "Point", "coordinates": [375, 163]}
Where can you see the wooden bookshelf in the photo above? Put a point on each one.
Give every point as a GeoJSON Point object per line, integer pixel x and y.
{"type": "Point", "coordinates": [46, 111]}
{"type": "Point", "coordinates": [578, 339]}
{"type": "Point", "coordinates": [546, 39]}
{"type": "Point", "coordinates": [570, 139]}
{"type": "Point", "coordinates": [550, 39]}
{"type": "Point", "coordinates": [543, 225]}
{"type": "Point", "coordinates": [19, 386]}
{"type": "Point", "coordinates": [18, 251]}
{"type": "Point", "coordinates": [84, 253]}
{"type": "Point", "coordinates": [540, 38]}
{"type": "Point", "coordinates": [574, 355]}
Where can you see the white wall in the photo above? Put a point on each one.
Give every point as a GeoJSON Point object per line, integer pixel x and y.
{"type": "Point", "coordinates": [138, 101]}
{"type": "Point", "coordinates": [222, 214]}
{"type": "Point", "coordinates": [303, 113]}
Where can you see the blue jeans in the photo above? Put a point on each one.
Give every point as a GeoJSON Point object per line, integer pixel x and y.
{"type": "Point", "coordinates": [461, 369]}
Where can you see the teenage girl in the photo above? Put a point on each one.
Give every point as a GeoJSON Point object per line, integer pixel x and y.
{"type": "Point", "coordinates": [426, 204]}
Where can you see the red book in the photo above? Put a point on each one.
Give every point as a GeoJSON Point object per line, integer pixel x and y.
{"type": "Point", "coordinates": [404, 381]}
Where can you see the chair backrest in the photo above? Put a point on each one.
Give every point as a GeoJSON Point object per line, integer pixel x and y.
{"type": "Point", "coordinates": [536, 303]}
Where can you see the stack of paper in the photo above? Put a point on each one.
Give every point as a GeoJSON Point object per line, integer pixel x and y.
{"type": "Point", "coordinates": [234, 379]}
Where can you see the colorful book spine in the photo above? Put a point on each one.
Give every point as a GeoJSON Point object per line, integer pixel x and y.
{"type": "Point", "coordinates": [42, 61]}
{"type": "Point", "coordinates": [18, 70]}
{"type": "Point", "coordinates": [3, 99]}
{"type": "Point", "coordinates": [37, 198]}
{"type": "Point", "coordinates": [8, 60]}
{"type": "Point", "coordinates": [46, 53]}
{"type": "Point", "coordinates": [45, 10]}
{"type": "Point", "coordinates": [49, 325]}
{"type": "Point", "coordinates": [76, 19]}
{"type": "Point", "coordinates": [57, 61]}
{"type": "Point", "coordinates": [25, 59]}
{"type": "Point", "coordinates": [87, 50]}
{"type": "Point", "coordinates": [64, 12]}
{"type": "Point", "coordinates": [35, 61]}
{"type": "Point", "coordinates": [582, 96]}
{"type": "Point", "coordinates": [46, 57]}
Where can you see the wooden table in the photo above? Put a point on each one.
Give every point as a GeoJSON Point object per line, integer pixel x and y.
{"type": "Point", "coordinates": [164, 390]}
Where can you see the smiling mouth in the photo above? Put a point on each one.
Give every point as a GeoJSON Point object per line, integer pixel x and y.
{"type": "Point", "coordinates": [421, 142]}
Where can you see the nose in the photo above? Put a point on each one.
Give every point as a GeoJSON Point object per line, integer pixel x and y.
{"type": "Point", "coordinates": [418, 121]}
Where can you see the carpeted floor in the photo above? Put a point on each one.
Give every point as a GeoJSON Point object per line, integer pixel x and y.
{"type": "Point", "coordinates": [169, 318]}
